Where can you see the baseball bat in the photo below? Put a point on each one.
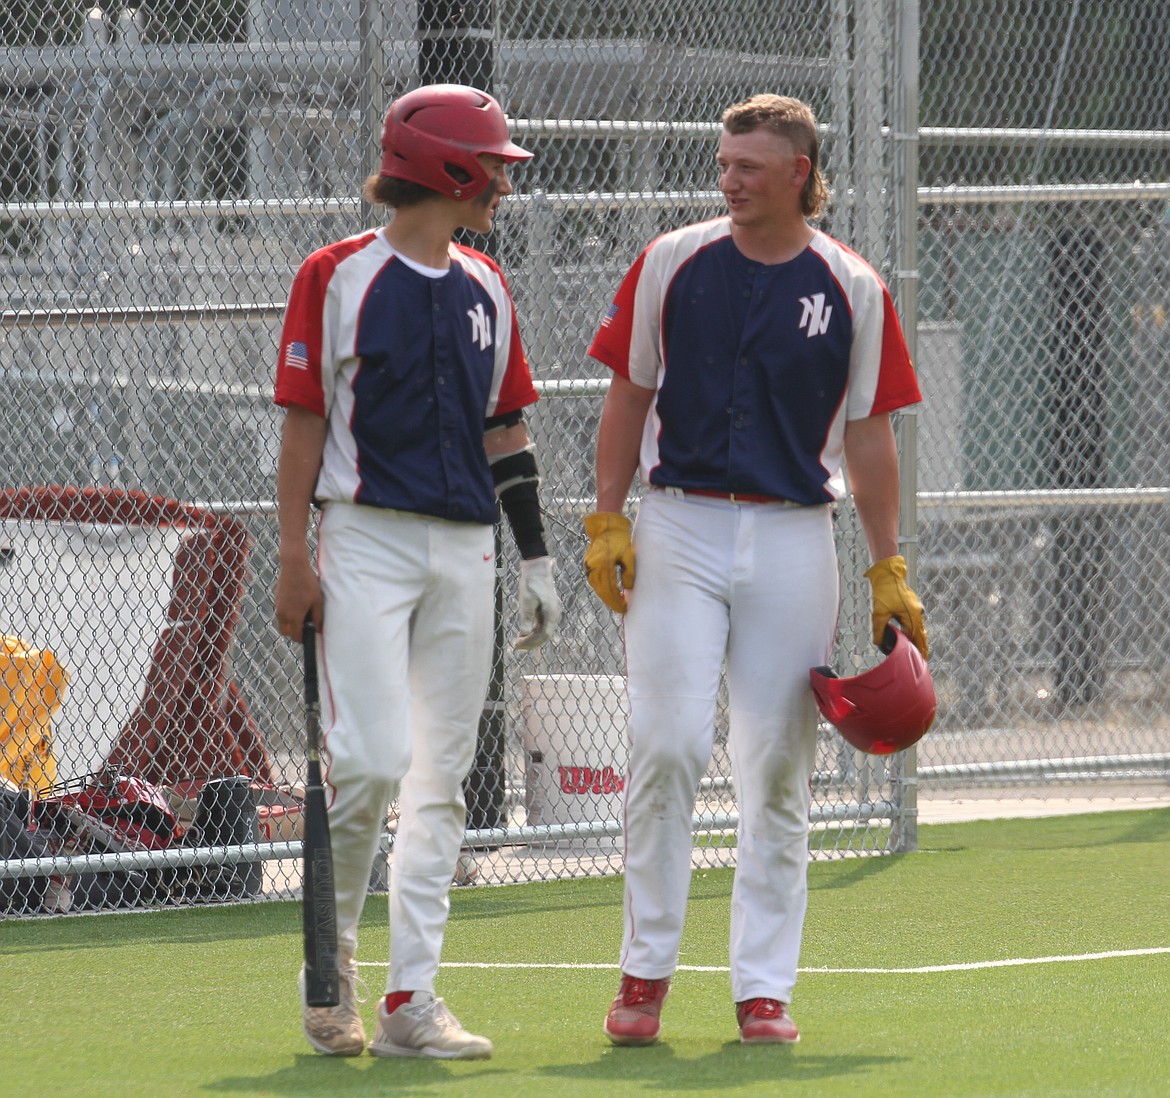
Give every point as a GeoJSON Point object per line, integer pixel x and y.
{"type": "Point", "coordinates": [322, 981]}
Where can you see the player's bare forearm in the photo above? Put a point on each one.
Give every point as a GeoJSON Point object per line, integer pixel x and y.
{"type": "Point", "coordinates": [871, 460]}
{"type": "Point", "coordinates": [619, 438]}
{"type": "Point", "coordinates": [297, 590]}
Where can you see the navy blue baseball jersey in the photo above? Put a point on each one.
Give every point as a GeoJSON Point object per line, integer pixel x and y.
{"type": "Point", "coordinates": [757, 367]}
{"type": "Point", "coordinates": [405, 367]}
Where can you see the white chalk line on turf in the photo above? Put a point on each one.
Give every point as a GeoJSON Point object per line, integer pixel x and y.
{"type": "Point", "coordinates": [966, 966]}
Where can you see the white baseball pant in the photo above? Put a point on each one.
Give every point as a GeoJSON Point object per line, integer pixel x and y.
{"type": "Point", "coordinates": [405, 660]}
{"type": "Point", "coordinates": [756, 584]}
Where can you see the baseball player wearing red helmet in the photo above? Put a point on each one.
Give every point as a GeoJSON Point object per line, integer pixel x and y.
{"type": "Point", "coordinates": [752, 357]}
{"type": "Point", "coordinates": [404, 380]}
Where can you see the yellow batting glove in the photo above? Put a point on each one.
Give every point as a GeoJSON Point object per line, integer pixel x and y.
{"type": "Point", "coordinates": [609, 558]}
{"type": "Point", "coordinates": [892, 598]}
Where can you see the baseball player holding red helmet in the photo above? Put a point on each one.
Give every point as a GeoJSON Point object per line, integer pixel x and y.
{"type": "Point", "coordinates": [404, 380]}
{"type": "Point", "coordinates": [752, 357]}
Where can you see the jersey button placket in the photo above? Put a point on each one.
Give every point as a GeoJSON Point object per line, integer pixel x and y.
{"type": "Point", "coordinates": [739, 450]}
{"type": "Point", "coordinates": [440, 365]}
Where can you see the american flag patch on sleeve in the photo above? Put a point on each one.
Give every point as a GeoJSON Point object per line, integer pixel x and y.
{"type": "Point", "coordinates": [296, 355]}
{"type": "Point", "coordinates": [610, 313]}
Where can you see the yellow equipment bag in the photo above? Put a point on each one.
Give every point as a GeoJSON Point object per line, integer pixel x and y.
{"type": "Point", "coordinates": [32, 685]}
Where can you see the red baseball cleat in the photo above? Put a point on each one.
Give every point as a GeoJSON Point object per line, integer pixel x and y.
{"type": "Point", "coordinates": [765, 1022]}
{"type": "Point", "coordinates": [633, 1015]}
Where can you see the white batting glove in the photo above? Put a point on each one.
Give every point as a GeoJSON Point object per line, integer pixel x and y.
{"type": "Point", "coordinates": [540, 608]}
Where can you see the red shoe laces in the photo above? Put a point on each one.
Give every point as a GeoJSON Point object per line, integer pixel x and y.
{"type": "Point", "coordinates": [763, 1008]}
{"type": "Point", "coordinates": [635, 991]}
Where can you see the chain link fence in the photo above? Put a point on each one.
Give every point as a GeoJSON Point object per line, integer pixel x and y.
{"type": "Point", "coordinates": [165, 166]}
{"type": "Point", "coordinates": [1043, 463]}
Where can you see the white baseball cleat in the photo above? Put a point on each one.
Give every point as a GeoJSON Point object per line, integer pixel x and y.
{"type": "Point", "coordinates": [336, 1031]}
{"type": "Point", "coordinates": [425, 1027]}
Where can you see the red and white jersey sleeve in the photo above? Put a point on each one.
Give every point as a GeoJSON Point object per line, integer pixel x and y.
{"type": "Point", "coordinates": [310, 335]}
{"type": "Point", "coordinates": [881, 376]}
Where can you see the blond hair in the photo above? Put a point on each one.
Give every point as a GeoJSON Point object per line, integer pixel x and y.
{"type": "Point", "coordinates": [791, 119]}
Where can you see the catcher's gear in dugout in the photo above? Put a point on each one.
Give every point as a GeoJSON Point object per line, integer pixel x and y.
{"type": "Point", "coordinates": [892, 598]}
{"type": "Point", "coordinates": [885, 709]}
{"type": "Point", "coordinates": [540, 606]}
{"type": "Point", "coordinates": [609, 557]}
{"type": "Point", "coordinates": [434, 135]}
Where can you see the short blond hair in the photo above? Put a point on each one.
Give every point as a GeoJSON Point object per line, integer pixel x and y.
{"type": "Point", "coordinates": [791, 119]}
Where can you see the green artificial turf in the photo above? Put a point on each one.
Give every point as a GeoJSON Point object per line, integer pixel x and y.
{"type": "Point", "coordinates": [203, 1001]}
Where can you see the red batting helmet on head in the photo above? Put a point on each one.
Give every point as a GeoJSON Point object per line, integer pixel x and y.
{"type": "Point", "coordinates": [885, 709]}
{"type": "Point", "coordinates": [434, 135]}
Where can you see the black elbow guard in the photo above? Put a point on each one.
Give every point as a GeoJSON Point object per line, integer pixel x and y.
{"type": "Point", "coordinates": [516, 480]}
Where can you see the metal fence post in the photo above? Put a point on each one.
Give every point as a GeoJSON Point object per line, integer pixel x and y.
{"type": "Point", "coordinates": [456, 45]}
{"type": "Point", "coordinates": [904, 828]}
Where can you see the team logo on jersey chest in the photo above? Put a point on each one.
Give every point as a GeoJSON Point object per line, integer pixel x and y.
{"type": "Point", "coordinates": [815, 316]}
{"type": "Point", "coordinates": [481, 326]}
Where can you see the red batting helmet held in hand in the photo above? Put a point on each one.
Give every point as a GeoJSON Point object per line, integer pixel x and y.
{"type": "Point", "coordinates": [885, 709]}
{"type": "Point", "coordinates": [434, 135]}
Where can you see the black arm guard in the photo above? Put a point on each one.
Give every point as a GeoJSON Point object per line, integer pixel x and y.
{"type": "Point", "coordinates": [516, 481]}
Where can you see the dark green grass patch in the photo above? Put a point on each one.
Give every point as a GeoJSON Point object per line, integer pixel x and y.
{"type": "Point", "coordinates": [203, 1002]}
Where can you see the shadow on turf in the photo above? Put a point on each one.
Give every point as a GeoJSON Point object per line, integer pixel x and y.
{"type": "Point", "coordinates": [162, 926]}
{"type": "Point", "coordinates": [845, 874]}
{"type": "Point", "coordinates": [1081, 830]}
{"type": "Point", "coordinates": [733, 1065]}
{"type": "Point", "coordinates": [1130, 826]}
{"type": "Point", "coordinates": [1148, 827]}
{"type": "Point", "coordinates": [320, 1075]}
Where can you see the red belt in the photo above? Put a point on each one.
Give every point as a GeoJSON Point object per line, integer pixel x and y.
{"type": "Point", "coordinates": [735, 497]}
